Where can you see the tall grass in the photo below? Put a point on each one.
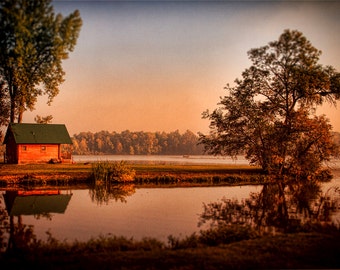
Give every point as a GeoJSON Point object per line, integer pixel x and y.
{"type": "Point", "coordinates": [113, 172]}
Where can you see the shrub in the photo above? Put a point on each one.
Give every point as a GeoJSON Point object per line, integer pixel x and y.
{"type": "Point", "coordinates": [113, 171]}
{"type": "Point", "coordinates": [191, 241]}
{"type": "Point", "coordinates": [225, 234]}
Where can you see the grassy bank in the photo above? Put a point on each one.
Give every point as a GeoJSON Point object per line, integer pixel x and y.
{"type": "Point", "coordinates": [145, 174]}
{"type": "Point", "coordinates": [299, 250]}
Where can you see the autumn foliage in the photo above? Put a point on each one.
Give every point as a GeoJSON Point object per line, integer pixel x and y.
{"type": "Point", "coordinates": [270, 114]}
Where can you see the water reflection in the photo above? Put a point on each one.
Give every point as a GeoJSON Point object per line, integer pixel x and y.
{"type": "Point", "coordinates": [281, 207]}
{"type": "Point", "coordinates": [14, 234]}
{"type": "Point", "coordinates": [102, 192]}
{"type": "Point", "coordinates": [40, 203]}
{"type": "Point", "coordinates": [160, 212]}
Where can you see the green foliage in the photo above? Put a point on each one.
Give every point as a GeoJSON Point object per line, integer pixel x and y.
{"type": "Point", "coordinates": [270, 113]}
{"type": "Point", "coordinates": [112, 171]}
{"type": "Point", "coordinates": [33, 43]}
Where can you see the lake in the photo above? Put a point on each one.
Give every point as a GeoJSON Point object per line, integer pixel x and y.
{"type": "Point", "coordinates": [142, 212]}
{"type": "Point", "coordinates": [148, 212]}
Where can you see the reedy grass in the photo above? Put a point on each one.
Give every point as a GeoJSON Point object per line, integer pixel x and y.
{"type": "Point", "coordinates": [112, 171]}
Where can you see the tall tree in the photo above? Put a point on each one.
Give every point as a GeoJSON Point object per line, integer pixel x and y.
{"type": "Point", "coordinates": [33, 43]}
{"type": "Point", "coordinates": [270, 113]}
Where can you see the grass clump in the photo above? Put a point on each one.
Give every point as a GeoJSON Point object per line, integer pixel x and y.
{"type": "Point", "coordinates": [226, 235]}
{"type": "Point", "coordinates": [113, 172]}
{"type": "Point", "coordinates": [216, 236]}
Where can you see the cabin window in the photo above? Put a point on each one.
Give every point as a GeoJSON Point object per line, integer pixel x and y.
{"type": "Point", "coordinates": [23, 147]}
{"type": "Point", "coordinates": [43, 148]}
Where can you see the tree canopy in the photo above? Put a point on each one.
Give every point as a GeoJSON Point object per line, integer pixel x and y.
{"type": "Point", "coordinates": [270, 114]}
{"type": "Point", "coordinates": [33, 43]}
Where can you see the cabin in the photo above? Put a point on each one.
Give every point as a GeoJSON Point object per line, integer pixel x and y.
{"type": "Point", "coordinates": [36, 143]}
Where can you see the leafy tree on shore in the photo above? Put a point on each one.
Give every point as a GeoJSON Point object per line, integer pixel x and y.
{"type": "Point", "coordinates": [33, 43]}
{"type": "Point", "coordinates": [270, 113]}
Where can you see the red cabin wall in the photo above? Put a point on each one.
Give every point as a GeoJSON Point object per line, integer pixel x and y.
{"type": "Point", "coordinates": [37, 153]}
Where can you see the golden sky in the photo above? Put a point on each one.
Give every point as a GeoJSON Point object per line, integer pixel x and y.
{"type": "Point", "coordinates": [156, 66]}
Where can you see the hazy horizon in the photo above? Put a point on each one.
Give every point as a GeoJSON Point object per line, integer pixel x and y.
{"type": "Point", "coordinates": [156, 66]}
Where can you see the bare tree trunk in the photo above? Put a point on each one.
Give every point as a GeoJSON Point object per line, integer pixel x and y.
{"type": "Point", "coordinates": [12, 94]}
{"type": "Point", "coordinates": [12, 113]}
{"type": "Point", "coordinates": [20, 116]}
{"type": "Point", "coordinates": [21, 109]}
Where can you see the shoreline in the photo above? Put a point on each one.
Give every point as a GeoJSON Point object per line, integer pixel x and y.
{"type": "Point", "coordinates": [57, 175]}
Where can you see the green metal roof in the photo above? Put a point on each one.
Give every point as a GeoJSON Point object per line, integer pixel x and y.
{"type": "Point", "coordinates": [39, 133]}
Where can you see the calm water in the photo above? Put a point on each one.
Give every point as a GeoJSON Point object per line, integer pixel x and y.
{"type": "Point", "coordinates": [144, 212]}
{"type": "Point", "coordinates": [148, 212]}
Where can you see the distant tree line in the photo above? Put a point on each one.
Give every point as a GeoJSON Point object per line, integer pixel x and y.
{"type": "Point", "coordinates": [136, 143]}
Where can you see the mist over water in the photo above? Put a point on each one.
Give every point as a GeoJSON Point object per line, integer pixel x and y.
{"type": "Point", "coordinates": [163, 159]}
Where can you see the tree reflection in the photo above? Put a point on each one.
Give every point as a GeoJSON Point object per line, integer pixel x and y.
{"type": "Point", "coordinates": [279, 207]}
{"type": "Point", "coordinates": [102, 192]}
{"type": "Point", "coordinates": [15, 236]}
{"type": "Point", "coordinates": [4, 225]}
{"type": "Point", "coordinates": [21, 236]}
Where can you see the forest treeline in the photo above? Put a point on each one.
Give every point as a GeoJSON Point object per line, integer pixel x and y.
{"type": "Point", "coordinates": [142, 143]}
{"type": "Point", "coordinates": [136, 143]}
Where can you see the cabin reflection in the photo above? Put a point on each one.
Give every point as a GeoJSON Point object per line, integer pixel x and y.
{"type": "Point", "coordinates": [36, 202]}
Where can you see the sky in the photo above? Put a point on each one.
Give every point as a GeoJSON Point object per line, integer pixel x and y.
{"type": "Point", "coordinates": [157, 65]}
